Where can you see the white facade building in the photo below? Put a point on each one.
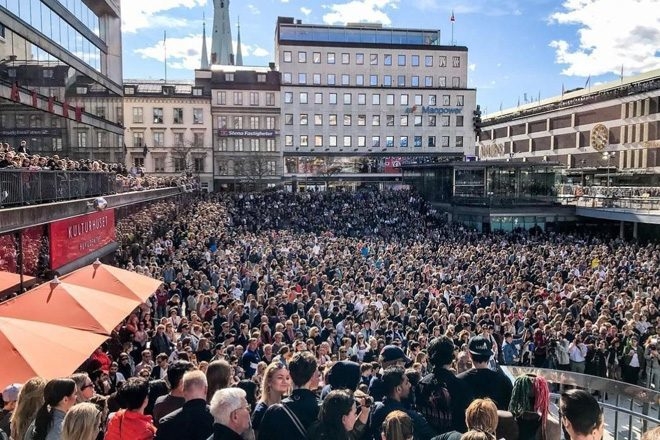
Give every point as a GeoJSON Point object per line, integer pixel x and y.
{"type": "Point", "coordinates": [168, 128]}
{"type": "Point", "coordinates": [360, 100]}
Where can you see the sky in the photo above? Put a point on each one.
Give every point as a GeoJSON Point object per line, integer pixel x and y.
{"type": "Point", "coordinates": [518, 50]}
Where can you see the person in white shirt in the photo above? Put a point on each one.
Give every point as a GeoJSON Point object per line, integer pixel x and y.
{"type": "Point", "coordinates": [577, 353]}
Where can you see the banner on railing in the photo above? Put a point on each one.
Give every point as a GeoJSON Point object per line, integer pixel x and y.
{"type": "Point", "coordinates": [75, 237]}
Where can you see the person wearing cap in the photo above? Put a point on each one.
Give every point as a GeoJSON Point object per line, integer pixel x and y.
{"type": "Point", "coordinates": [390, 356]}
{"type": "Point", "coordinates": [481, 380]}
{"type": "Point", "coordinates": [9, 397]}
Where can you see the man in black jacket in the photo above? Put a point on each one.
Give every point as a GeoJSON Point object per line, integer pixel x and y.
{"type": "Point", "coordinates": [193, 421]}
{"type": "Point", "coordinates": [292, 419]}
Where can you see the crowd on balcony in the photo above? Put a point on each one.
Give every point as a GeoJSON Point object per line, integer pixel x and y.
{"type": "Point", "coordinates": [610, 191]}
{"type": "Point", "coordinates": [361, 316]}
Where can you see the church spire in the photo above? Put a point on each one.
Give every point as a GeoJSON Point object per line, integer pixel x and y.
{"type": "Point", "coordinates": [205, 53]}
{"type": "Point", "coordinates": [221, 37]}
{"type": "Point", "coordinates": [239, 51]}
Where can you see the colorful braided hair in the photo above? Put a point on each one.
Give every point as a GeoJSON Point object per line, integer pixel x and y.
{"type": "Point", "coordinates": [531, 394]}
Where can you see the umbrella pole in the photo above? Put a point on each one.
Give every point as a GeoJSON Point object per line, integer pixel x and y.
{"type": "Point", "coordinates": [20, 259]}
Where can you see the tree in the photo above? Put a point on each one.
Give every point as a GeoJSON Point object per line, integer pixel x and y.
{"type": "Point", "coordinates": [254, 168]}
{"type": "Point", "coordinates": [183, 157]}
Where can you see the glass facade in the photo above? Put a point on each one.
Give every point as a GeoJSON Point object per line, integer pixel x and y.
{"type": "Point", "coordinates": [358, 35]}
{"type": "Point", "coordinates": [330, 165]}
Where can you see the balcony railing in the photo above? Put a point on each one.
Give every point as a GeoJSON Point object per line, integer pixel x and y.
{"type": "Point", "coordinates": [24, 187]}
{"type": "Point", "coordinates": [628, 410]}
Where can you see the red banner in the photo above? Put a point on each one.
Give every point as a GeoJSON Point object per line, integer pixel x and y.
{"type": "Point", "coordinates": [76, 237]}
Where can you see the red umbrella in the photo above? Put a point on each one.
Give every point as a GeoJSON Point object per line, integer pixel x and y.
{"type": "Point", "coordinates": [31, 348]}
{"type": "Point", "coordinates": [10, 281]}
{"type": "Point", "coordinates": [113, 280]}
{"type": "Point", "coordinates": [71, 306]}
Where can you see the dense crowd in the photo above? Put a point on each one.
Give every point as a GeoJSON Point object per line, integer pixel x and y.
{"type": "Point", "coordinates": [356, 315]}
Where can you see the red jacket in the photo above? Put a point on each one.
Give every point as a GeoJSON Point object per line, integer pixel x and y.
{"type": "Point", "coordinates": [130, 425]}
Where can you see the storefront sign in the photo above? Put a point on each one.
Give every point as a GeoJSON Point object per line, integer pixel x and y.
{"type": "Point", "coordinates": [247, 133]}
{"type": "Point", "coordinates": [434, 110]}
{"type": "Point", "coordinates": [75, 237]}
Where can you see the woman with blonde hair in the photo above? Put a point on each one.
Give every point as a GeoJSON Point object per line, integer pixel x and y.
{"type": "Point", "coordinates": [397, 426]}
{"type": "Point", "coordinates": [81, 422]}
{"type": "Point", "coordinates": [275, 384]}
{"type": "Point", "coordinates": [30, 399]}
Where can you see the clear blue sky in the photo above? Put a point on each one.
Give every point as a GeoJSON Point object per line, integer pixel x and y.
{"type": "Point", "coordinates": [517, 48]}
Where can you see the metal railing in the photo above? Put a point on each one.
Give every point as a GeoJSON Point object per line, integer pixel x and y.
{"type": "Point", "coordinates": [628, 410]}
{"type": "Point", "coordinates": [640, 203]}
{"type": "Point", "coordinates": [20, 187]}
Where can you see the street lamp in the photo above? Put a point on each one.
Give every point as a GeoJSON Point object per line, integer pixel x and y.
{"type": "Point", "coordinates": [608, 156]}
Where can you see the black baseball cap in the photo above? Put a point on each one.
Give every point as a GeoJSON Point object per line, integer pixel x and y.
{"type": "Point", "coordinates": [480, 346]}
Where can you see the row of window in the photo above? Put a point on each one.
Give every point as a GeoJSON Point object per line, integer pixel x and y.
{"type": "Point", "coordinates": [251, 122]}
{"type": "Point", "coordinates": [374, 59]}
{"type": "Point", "coordinates": [247, 167]}
{"type": "Point", "coordinates": [404, 99]}
{"type": "Point", "coordinates": [230, 77]}
{"type": "Point", "coordinates": [158, 139]}
{"type": "Point", "coordinates": [361, 141]}
{"type": "Point", "coordinates": [376, 120]}
{"type": "Point", "coordinates": [237, 144]}
{"type": "Point", "coordinates": [158, 114]}
{"type": "Point", "coordinates": [374, 80]}
{"type": "Point", "coordinates": [253, 98]}
{"type": "Point", "coordinates": [179, 164]}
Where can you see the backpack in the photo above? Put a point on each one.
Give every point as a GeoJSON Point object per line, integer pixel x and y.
{"type": "Point", "coordinates": [434, 403]}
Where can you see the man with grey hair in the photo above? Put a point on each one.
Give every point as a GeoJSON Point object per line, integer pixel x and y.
{"type": "Point", "coordinates": [231, 413]}
{"type": "Point", "coordinates": [193, 421]}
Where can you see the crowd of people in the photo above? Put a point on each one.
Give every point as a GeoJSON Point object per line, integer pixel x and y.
{"type": "Point", "coordinates": [354, 315]}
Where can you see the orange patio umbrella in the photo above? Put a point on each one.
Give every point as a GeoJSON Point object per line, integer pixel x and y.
{"type": "Point", "coordinates": [9, 280]}
{"type": "Point", "coordinates": [31, 348]}
{"type": "Point", "coordinates": [70, 305]}
{"type": "Point", "coordinates": [113, 280]}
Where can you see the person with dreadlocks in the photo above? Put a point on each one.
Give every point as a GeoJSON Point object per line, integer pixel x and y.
{"type": "Point", "coordinates": [529, 416]}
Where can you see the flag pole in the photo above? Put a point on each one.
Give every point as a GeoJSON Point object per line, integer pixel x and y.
{"type": "Point", "coordinates": [453, 20]}
{"type": "Point", "coordinates": [165, 52]}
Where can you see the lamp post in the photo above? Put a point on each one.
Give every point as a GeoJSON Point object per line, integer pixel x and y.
{"type": "Point", "coordinates": [608, 156]}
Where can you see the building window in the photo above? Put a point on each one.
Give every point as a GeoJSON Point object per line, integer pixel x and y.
{"type": "Point", "coordinates": [418, 120]}
{"type": "Point", "coordinates": [387, 59]}
{"type": "Point", "coordinates": [459, 141]}
{"type": "Point", "coordinates": [302, 78]}
{"type": "Point", "coordinates": [304, 139]}
{"type": "Point", "coordinates": [198, 140]}
{"type": "Point", "coordinates": [254, 145]}
{"type": "Point", "coordinates": [331, 79]}
{"type": "Point", "coordinates": [198, 116]}
{"type": "Point", "coordinates": [404, 99]}
{"type": "Point", "coordinates": [433, 100]}
{"type": "Point", "coordinates": [261, 77]}
{"type": "Point", "coordinates": [459, 120]}
{"type": "Point", "coordinates": [460, 99]}
{"type": "Point", "coordinates": [318, 140]}
{"type": "Point", "coordinates": [442, 81]}
{"type": "Point", "coordinates": [359, 80]}
{"type": "Point", "coordinates": [432, 121]}
{"type": "Point", "coordinates": [270, 99]}
{"type": "Point", "coordinates": [418, 100]}
{"type": "Point", "coordinates": [347, 141]}
{"type": "Point", "coordinates": [137, 115]}
{"type": "Point", "coordinates": [403, 141]}
{"type": "Point", "coordinates": [332, 140]}
{"type": "Point", "coordinates": [414, 60]}
{"type": "Point", "coordinates": [375, 99]}
{"type": "Point", "coordinates": [401, 60]}
{"type": "Point", "coordinates": [389, 141]}
{"type": "Point", "coordinates": [332, 98]}
{"type": "Point", "coordinates": [373, 80]}
{"type": "Point", "coordinates": [403, 121]}
{"type": "Point", "coordinates": [238, 98]}
{"type": "Point", "coordinates": [444, 120]}
{"type": "Point", "coordinates": [303, 97]}
{"type": "Point", "coordinates": [348, 120]}
{"type": "Point", "coordinates": [375, 141]}
{"type": "Point", "coordinates": [179, 164]}
{"type": "Point", "coordinates": [48, 74]}
{"type": "Point", "coordinates": [158, 115]}
{"type": "Point", "coordinates": [177, 117]}
{"type": "Point", "coordinates": [362, 98]}
{"type": "Point", "coordinates": [444, 141]}
{"type": "Point", "coordinates": [414, 81]}
{"type": "Point", "coordinates": [362, 141]}
{"type": "Point", "coordinates": [303, 119]}
{"type": "Point", "coordinates": [359, 58]}
{"type": "Point", "coordinates": [362, 120]}
{"type": "Point", "coordinates": [316, 79]}
{"type": "Point", "coordinates": [82, 139]}
{"type": "Point", "coordinates": [455, 81]}
{"type": "Point", "coordinates": [318, 119]}
{"type": "Point", "coordinates": [331, 58]}
{"type": "Point", "coordinates": [442, 62]}
{"type": "Point", "coordinates": [159, 164]}
{"type": "Point", "coordinates": [286, 78]}
{"type": "Point", "coordinates": [431, 142]}
{"type": "Point", "coordinates": [223, 145]}
{"type": "Point", "coordinates": [138, 161]}
{"type": "Point", "coordinates": [389, 99]}
{"type": "Point", "coordinates": [387, 80]}
{"type": "Point", "coordinates": [286, 56]}
{"type": "Point", "coordinates": [428, 61]}
{"type": "Point", "coordinates": [288, 97]}
{"type": "Point", "coordinates": [390, 120]}
{"type": "Point", "coordinates": [345, 58]}
{"type": "Point", "coordinates": [138, 139]}
{"type": "Point", "coordinates": [229, 77]}
{"type": "Point", "coordinates": [456, 61]}
{"type": "Point", "coordinates": [332, 119]}
{"type": "Point", "coordinates": [270, 144]}
{"type": "Point", "coordinates": [302, 57]}
{"type": "Point", "coordinates": [373, 59]}
{"type": "Point", "coordinates": [270, 122]}
{"type": "Point", "coordinates": [238, 144]}
{"type": "Point", "coordinates": [316, 57]}
{"type": "Point", "coordinates": [254, 98]}
{"type": "Point", "coordinates": [318, 98]}
{"type": "Point", "coordinates": [254, 122]}
{"type": "Point", "coordinates": [178, 140]}
{"type": "Point", "coordinates": [446, 100]}
{"type": "Point", "coordinates": [159, 139]}
{"type": "Point", "coordinates": [198, 164]}
{"type": "Point", "coordinates": [288, 140]}
{"type": "Point", "coordinates": [222, 121]}
{"type": "Point", "coordinates": [417, 142]}
{"type": "Point", "coordinates": [375, 120]}
{"type": "Point", "coordinates": [288, 119]}
{"type": "Point", "coordinates": [347, 98]}
{"type": "Point", "coordinates": [428, 81]}
{"type": "Point", "coordinates": [345, 80]}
